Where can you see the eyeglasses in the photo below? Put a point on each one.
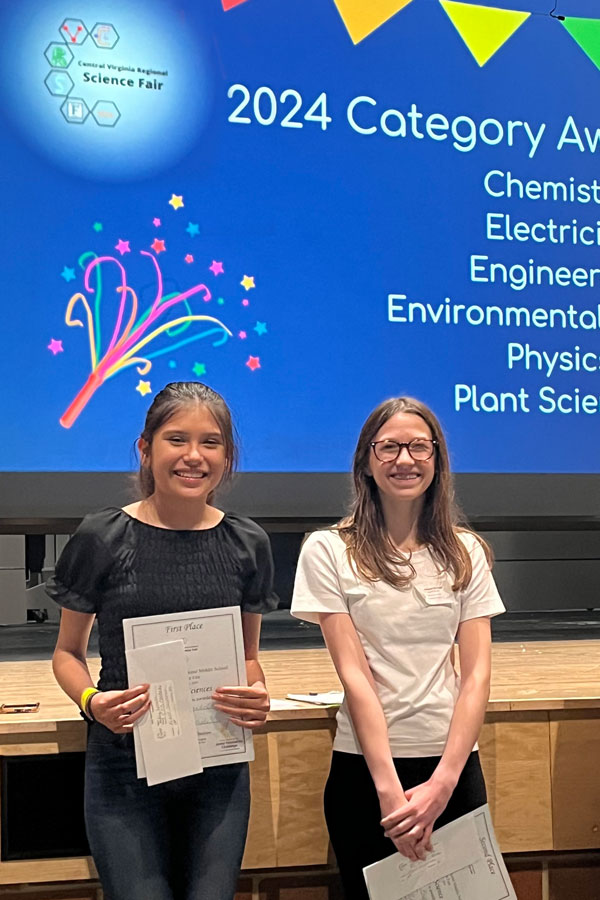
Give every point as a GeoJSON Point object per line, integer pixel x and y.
{"type": "Point", "coordinates": [419, 449]}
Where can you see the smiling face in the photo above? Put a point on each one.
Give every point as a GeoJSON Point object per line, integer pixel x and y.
{"type": "Point", "coordinates": [186, 455]}
{"type": "Point", "coordinates": [404, 479]}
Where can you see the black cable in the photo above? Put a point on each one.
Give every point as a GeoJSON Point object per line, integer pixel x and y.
{"type": "Point", "coordinates": [559, 17]}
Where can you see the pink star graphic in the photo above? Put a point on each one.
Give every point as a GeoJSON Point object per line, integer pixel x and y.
{"type": "Point", "coordinates": [158, 246]}
{"type": "Point", "coordinates": [217, 268]}
{"type": "Point", "coordinates": [189, 258]}
{"type": "Point", "coordinates": [245, 302]}
{"type": "Point", "coordinates": [253, 363]}
{"type": "Point", "coordinates": [156, 222]}
{"type": "Point", "coordinates": [242, 335]}
{"type": "Point", "coordinates": [55, 346]}
{"type": "Point", "coordinates": [122, 246]}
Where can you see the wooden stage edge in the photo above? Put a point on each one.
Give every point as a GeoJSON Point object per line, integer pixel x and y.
{"type": "Point", "coordinates": [526, 676]}
{"type": "Point", "coordinates": [539, 747]}
{"type": "Point", "coordinates": [532, 675]}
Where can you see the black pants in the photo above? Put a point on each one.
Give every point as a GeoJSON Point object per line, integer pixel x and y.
{"type": "Point", "coordinates": [353, 815]}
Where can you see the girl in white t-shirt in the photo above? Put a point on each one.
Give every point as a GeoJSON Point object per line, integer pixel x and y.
{"type": "Point", "coordinates": [393, 585]}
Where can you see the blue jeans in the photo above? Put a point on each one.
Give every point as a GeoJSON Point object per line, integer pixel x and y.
{"type": "Point", "coordinates": [181, 840]}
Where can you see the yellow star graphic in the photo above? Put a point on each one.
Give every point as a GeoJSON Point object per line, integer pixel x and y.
{"type": "Point", "coordinates": [144, 388]}
{"type": "Point", "coordinates": [247, 282]}
{"type": "Point", "coordinates": [175, 201]}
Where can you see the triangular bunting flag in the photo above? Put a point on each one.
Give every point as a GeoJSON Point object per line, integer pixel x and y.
{"type": "Point", "coordinates": [229, 4]}
{"type": "Point", "coordinates": [362, 17]}
{"type": "Point", "coordinates": [586, 32]}
{"type": "Point", "coordinates": [483, 28]}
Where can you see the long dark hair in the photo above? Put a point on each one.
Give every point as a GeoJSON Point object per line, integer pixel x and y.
{"type": "Point", "coordinates": [370, 549]}
{"type": "Point", "coordinates": [171, 400]}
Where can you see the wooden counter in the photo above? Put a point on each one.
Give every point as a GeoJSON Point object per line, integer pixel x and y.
{"type": "Point", "coordinates": [539, 746]}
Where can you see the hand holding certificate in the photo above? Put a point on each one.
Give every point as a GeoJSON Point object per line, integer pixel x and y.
{"type": "Point", "coordinates": [465, 864]}
{"type": "Point", "coordinates": [245, 706]}
{"type": "Point", "coordinates": [213, 646]}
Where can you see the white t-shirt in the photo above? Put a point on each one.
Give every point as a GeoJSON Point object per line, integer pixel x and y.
{"type": "Point", "coordinates": [407, 635]}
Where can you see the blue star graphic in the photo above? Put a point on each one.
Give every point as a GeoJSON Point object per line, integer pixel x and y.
{"type": "Point", "coordinates": [172, 364]}
{"type": "Point", "coordinates": [68, 274]}
{"type": "Point", "coordinates": [260, 328]}
{"type": "Point", "coordinates": [193, 229]}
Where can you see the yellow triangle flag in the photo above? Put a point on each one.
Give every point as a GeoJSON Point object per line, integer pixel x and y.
{"type": "Point", "coordinates": [483, 28]}
{"type": "Point", "coordinates": [362, 17]}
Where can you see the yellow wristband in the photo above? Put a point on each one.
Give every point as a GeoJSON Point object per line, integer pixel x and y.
{"type": "Point", "coordinates": [86, 696]}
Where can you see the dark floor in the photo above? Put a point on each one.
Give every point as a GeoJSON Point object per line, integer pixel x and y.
{"type": "Point", "coordinates": [281, 632]}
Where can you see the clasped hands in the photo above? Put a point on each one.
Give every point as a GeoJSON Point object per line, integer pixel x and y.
{"type": "Point", "coordinates": [410, 825]}
{"type": "Point", "coordinates": [120, 710]}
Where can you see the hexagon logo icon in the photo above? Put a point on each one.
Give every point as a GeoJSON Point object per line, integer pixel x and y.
{"type": "Point", "coordinates": [106, 113]}
{"type": "Point", "coordinates": [73, 31]}
{"type": "Point", "coordinates": [60, 84]}
{"type": "Point", "coordinates": [75, 110]}
{"type": "Point", "coordinates": [104, 35]}
{"type": "Point", "coordinates": [59, 56]}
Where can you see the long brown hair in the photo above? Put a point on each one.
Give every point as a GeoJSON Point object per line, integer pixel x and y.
{"type": "Point", "coordinates": [370, 549]}
{"type": "Point", "coordinates": [171, 400]}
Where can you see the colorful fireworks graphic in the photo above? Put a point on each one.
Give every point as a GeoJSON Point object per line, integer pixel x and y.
{"type": "Point", "coordinates": [138, 327]}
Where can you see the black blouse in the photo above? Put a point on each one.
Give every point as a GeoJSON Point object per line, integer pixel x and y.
{"type": "Point", "coordinates": [118, 568]}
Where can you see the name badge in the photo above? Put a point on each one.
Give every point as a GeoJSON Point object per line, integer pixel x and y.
{"type": "Point", "coordinates": [434, 595]}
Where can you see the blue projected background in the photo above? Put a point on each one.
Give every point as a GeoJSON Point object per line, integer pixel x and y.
{"type": "Point", "coordinates": [311, 206]}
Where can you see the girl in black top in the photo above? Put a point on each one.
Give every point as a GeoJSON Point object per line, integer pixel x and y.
{"type": "Point", "coordinates": [173, 551]}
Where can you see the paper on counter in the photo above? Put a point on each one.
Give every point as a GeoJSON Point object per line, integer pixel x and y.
{"type": "Point", "coordinates": [279, 704]}
{"type": "Point", "coordinates": [465, 864]}
{"type": "Point", "coordinates": [166, 735]}
{"type": "Point", "coordinates": [326, 698]}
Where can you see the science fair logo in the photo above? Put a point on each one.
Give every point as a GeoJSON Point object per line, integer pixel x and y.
{"type": "Point", "coordinates": [82, 61]}
{"type": "Point", "coordinates": [109, 91]}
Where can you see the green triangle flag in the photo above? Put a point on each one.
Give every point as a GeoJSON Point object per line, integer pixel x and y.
{"type": "Point", "coordinates": [483, 28]}
{"type": "Point", "coordinates": [586, 32]}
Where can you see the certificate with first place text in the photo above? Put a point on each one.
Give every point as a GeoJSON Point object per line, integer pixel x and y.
{"type": "Point", "coordinates": [214, 653]}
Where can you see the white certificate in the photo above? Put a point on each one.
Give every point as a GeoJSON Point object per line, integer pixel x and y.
{"type": "Point", "coordinates": [214, 652]}
{"type": "Point", "coordinates": [465, 864]}
{"type": "Point", "coordinates": [166, 734]}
